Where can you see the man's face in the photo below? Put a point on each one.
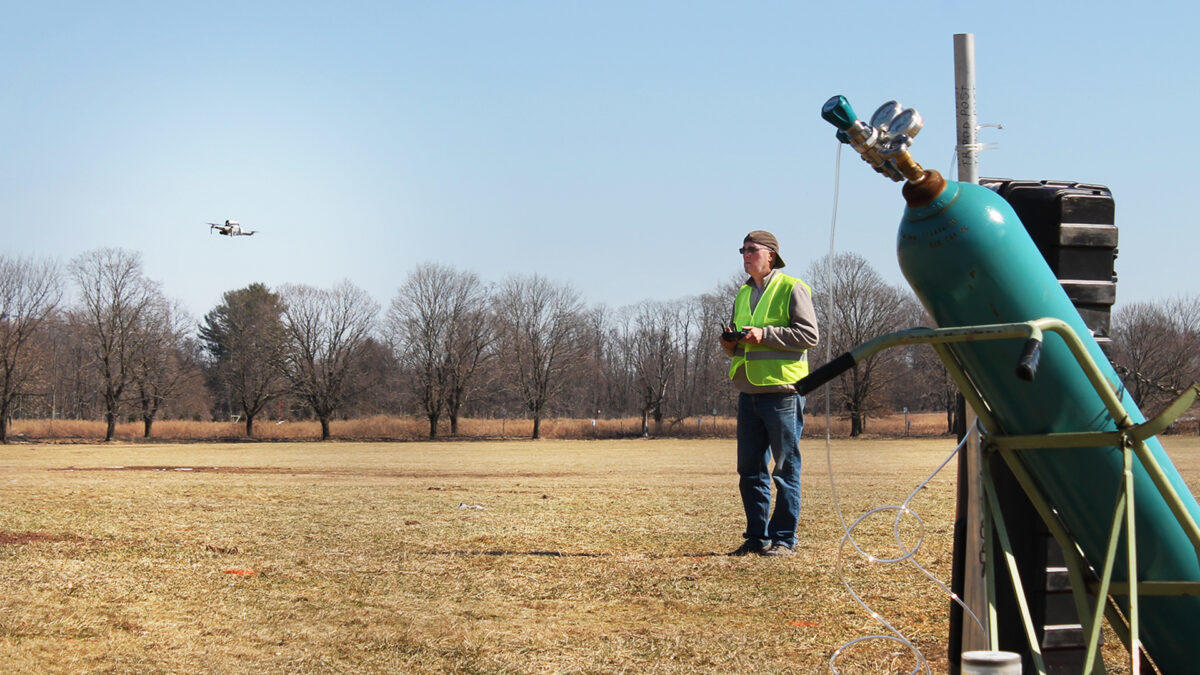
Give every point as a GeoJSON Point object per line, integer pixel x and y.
{"type": "Point", "coordinates": [756, 259]}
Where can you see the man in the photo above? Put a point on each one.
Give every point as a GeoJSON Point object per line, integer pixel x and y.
{"type": "Point", "coordinates": [775, 314]}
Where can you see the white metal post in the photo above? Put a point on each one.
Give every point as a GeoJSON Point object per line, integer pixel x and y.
{"type": "Point", "coordinates": [964, 104]}
{"type": "Point", "coordinates": [974, 579]}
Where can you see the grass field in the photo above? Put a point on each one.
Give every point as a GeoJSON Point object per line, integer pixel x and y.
{"type": "Point", "coordinates": [585, 556]}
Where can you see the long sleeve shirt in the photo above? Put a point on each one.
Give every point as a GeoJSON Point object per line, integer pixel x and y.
{"type": "Point", "coordinates": [800, 334]}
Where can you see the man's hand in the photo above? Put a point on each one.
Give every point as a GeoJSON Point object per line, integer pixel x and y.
{"type": "Point", "coordinates": [754, 335]}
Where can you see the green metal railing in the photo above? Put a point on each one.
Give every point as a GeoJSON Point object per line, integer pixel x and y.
{"type": "Point", "coordinates": [1130, 437]}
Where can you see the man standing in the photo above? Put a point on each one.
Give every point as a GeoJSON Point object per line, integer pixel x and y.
{"type": "Point", "coordinates": [774, 314]}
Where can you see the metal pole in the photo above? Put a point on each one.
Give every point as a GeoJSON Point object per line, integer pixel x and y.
{"type": "Point", "coordinates": [974, 592]}
{"type": "Point", "coordinates": [964, 105]}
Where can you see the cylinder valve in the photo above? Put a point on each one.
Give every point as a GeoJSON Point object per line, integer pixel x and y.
{"type": "Point", "coordinates": [884, 142]}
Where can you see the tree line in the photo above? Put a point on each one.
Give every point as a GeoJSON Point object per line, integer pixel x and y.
{"type": "Point", "coordinates": [98, 339]}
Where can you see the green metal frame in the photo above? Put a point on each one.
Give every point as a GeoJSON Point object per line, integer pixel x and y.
{"type": "Point", "coordinates": [1128, 436]}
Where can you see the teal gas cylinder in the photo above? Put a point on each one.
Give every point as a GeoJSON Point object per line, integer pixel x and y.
{"type": "Point", "coordinates": [970, 261]}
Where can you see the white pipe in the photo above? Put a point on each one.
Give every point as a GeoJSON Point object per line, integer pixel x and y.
{"type": "Point", "coordinates": [991, 663]}
{"type": "Point", "coordinates": [974, 581]}
{"type": "Point", "coordinates": [964, 105]}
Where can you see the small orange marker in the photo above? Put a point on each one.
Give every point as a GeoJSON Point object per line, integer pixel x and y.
{"type": "Point", "coordinates": [237, 570]}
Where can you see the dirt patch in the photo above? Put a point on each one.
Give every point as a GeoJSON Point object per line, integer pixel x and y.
{"type": "Point", "coordinates": [325, 472]}
{"type": "Point", "coordinates": [17, 538]}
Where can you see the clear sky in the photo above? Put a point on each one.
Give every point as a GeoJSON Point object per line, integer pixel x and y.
{"type": "Point", "coordinates": [623, 147]}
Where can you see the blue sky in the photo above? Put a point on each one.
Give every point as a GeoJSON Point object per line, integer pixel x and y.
{"type": "Point", "coordinates": [622, 147]}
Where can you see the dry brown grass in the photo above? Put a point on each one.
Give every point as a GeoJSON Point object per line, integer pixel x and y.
{"type": "Point", "coordinates": [381, 427]}
{"type": "Point", "coordinates": [586, 556]}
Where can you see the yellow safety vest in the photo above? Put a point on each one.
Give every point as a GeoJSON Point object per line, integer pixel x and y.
{"type": "Point", "coordinates": [765, 365]}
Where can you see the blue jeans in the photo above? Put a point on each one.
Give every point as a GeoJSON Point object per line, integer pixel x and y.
{"type": "Point", "coordinates": [769, 427]}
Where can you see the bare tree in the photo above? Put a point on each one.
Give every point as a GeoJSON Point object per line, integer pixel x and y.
{"type": "Point", "coordinates": [192, 399]}
{"type": "Point", "coordinates": [114, 294]}
{"type": "Point", "coordinates": [1186, 310]}
{"type": "Point", "coordinates": [29, 292]}
{"type": "Point", "coordinates": [326, 330]}
{"type": "Point", "coordinates": [864, 306]}
{"type": "Point", "coordinates": [74, 383]}
{"type": "Point", "coordinates": [711, 369]}
{"type": "Point", "coordinates": [246, 339]}
{"type": "Point", "coordinates": [608, 384]}
{"type": "Point", "coordinates": [418, 330]}
{"type": "Point", "coordinates": [161, 363]}
{"type": "Point", "coordinates": [537, 323]}
{"type": "Point", "coordinates": [650, 337]}
{"type": "Point", "coordinates": [587, 393]}
{"type": "Point", "coordinates": [683, 395]}
{"type": "Point", "coordinates": [701, 382]}
{"type": "Point", "coordinates": [470, 340]}
{"type": "Point", "coordinates": [1154, 350]}
{"type": "Point", "coordinates": [374, 382]}
{"type": "Point", "coordinates": [440, 329]}
{"type": "Point", "coordinates": [922, 381]}
{"type": "Point", "coordinates": [659, 359]}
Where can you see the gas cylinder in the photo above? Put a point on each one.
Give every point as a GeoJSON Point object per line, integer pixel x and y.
{"type": "Point", "coordinates": [970, 261]}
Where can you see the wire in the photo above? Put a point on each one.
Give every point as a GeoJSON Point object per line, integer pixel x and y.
{"type": "Point", "coordinates": [906, 554]}
{"type": "Point", "coordinates": [837, 181]}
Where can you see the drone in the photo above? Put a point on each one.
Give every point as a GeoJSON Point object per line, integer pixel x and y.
{"type": "Point", "coordinates": [231, 228]}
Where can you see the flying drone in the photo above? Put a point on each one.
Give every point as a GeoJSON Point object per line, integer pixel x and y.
{"type": "Point", "coordinates": [231, 228]}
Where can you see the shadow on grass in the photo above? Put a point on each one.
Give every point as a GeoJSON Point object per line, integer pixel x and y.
{"type": "Point", "coordinates": [573, 554]}
{"type": "Point", "coordinates": [331, 472]}
{"type": "Point", "coordinates": [503, 552]}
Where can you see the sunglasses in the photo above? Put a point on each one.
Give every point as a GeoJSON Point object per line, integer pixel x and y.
{"type": "Point", "coordinates": [751, 249]}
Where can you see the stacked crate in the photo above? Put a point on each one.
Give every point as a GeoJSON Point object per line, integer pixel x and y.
{"type": "Point", "coordinates": [1074, 226]}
